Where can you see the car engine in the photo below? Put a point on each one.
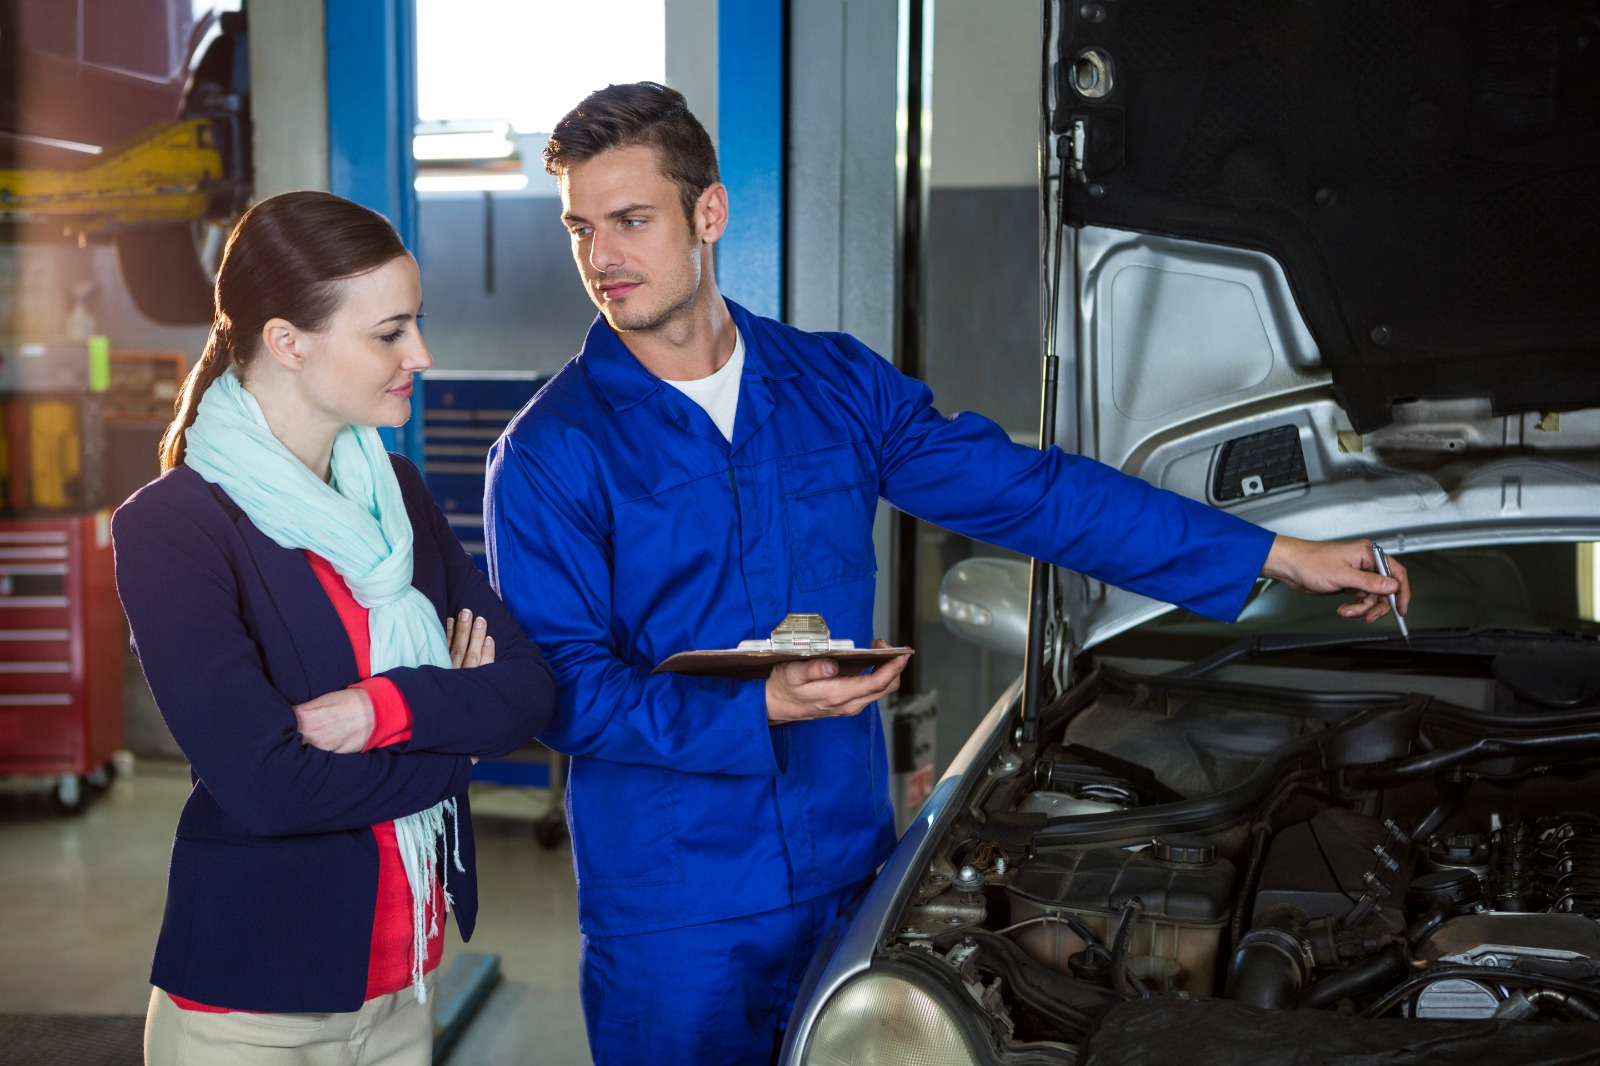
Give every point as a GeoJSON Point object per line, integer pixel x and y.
{"type": "Point", "coordinates": [1332, 855]}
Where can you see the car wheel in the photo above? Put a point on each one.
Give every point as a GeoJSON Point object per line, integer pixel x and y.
{"type": "Point", "coordinates": [169, 270]}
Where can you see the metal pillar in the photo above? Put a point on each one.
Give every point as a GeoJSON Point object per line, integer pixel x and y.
{"type": "Point", "coordinates": [372, 110]}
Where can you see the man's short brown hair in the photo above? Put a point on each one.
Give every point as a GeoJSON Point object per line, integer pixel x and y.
{"type": "Point", "coordinates": [640, 113]}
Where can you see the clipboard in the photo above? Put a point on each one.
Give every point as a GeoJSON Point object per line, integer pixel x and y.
{"type": "Point", "coordinates": [798, 636]}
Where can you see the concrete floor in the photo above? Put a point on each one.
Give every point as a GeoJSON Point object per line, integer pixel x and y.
{"type": "Point", "coordinates": [81, 900]}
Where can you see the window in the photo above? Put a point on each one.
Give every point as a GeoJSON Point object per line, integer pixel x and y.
{"type": "Point", "coordinates": [528, 64]}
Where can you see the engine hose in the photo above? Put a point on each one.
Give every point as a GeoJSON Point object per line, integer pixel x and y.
{"type": "Point", "coordinates": [1080, 928]}
{"type": "Point", "coordinates": [1452, 791]}
{"type": "Point", "coordinates": [1268, 968]}
{"type": "Point", "coordinates": [1119, 945]}
{"type": "Point", "coordinates": [1247, 883]}
{"type": "Point", "coordinates": [1424, 926]}
{"type": "Point", "coordinates": [1386, 966]}
{"type": "Point", "coordinates": [1041, 989]}
{"type": "Point", "coordinates": [1581, 1009]}
{"type": "Point", "coordinates": [1262, 834]}
{"type": "Point", "coordinates": [1401, 770]}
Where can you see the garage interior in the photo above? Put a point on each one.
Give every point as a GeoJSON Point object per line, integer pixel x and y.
{"type": "Point", "coordinates": [881, 160]}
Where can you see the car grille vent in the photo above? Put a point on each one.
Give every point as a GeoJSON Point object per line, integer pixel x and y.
{"type": "Point", "coordinates": [1259, 463]}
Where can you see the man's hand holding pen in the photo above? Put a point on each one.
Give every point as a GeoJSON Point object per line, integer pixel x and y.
{"type": "Point", "coordinates": [1335, 566]}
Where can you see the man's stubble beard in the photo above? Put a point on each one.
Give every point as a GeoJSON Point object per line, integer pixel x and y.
{"type": "Point", "coordinates": [648, 322]}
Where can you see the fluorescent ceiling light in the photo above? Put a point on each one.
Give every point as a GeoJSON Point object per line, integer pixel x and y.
{"type": "Point", "coordinates": [56, 142]}
{"type": "Point", "coordinates": [456, 141]}
{"type": "Point", "coordinates": [471, 182]}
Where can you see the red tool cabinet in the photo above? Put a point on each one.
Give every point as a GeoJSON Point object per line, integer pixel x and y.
{"type": "Point", "coordinates": [61, 639]}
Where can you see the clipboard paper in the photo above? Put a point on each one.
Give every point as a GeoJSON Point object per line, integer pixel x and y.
{"type": "Point", "coordinates": [798, 637]}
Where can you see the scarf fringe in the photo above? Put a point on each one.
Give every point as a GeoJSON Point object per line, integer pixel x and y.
{"type": "Point", "coordinates": [420, 837]}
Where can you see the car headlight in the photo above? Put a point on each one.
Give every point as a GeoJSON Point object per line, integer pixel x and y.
{"type": "Point", "coordinates": [882, 1019]}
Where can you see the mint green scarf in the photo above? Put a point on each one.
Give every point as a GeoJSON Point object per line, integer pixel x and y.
{"type": "Point", "coordinates": [359, 524]}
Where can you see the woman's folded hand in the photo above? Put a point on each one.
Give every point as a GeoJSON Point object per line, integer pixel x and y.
{"type": "Point", "coordinates": [339, 721]}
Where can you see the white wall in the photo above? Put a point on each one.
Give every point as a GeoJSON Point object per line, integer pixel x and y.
{"type": "Point", "coordinates": [692, 57]}
{"type": "Point", "coordinates": [289, 95]}
{"type": "Point", "coordinates": [985, 93]}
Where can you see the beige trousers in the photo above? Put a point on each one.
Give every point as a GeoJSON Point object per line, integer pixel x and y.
{"type": "Point", "coordinates": [392, 1030]}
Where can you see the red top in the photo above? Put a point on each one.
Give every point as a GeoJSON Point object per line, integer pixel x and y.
{"type": "Point", "coordinates": [389, 964]}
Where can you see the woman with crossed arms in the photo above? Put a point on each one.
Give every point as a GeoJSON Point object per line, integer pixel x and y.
{"type": "Point", "coordinates": [306, 621]}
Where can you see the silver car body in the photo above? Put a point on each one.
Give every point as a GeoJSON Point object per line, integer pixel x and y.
{"type": "Point", "coordinates": [1185, 348]}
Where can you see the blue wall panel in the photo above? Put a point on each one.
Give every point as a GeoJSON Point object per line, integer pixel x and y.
{"type": "Point", "coordinates": [372, 109]}
{"type": "Point", "coordinates": [750, 131]}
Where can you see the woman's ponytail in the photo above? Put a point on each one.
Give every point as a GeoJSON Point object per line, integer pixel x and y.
{"type": "Point", "coordinates": [216, 358]}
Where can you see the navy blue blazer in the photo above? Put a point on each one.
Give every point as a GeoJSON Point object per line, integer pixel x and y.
{"type": "Point", "coordinates": [274, 872]}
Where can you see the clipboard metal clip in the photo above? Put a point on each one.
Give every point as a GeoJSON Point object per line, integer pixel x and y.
{"type": "Point", "coordinates": [799, 634]}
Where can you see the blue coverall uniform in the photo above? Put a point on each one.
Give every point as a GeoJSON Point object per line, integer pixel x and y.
{"type": "Point", "coordinates": [623, 527]}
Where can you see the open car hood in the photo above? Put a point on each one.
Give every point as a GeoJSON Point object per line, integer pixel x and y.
{"type": "Point", "coordinates": [1426, 172]}
{"type": "Point", "coordinates": [1334, 267]}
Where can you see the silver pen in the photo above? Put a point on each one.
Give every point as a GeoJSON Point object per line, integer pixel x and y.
{"type": "Point", "coordinates": [1383, 568]}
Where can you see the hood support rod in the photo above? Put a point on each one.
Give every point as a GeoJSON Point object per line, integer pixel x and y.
{"type": "Point", "coordinates": [1040, 571]}
{"type": "Point", "coordinates": [1033, 674]}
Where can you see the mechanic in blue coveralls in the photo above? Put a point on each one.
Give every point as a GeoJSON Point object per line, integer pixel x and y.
{"type": "Point", "coordinates": [693, 475]}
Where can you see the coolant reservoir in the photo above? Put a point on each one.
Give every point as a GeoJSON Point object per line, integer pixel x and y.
{"type": "Point", "coordinates": [1186, 892]}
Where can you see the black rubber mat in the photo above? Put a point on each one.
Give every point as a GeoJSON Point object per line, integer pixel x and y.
{"type": "Point", "coordinates": [71, 1040]}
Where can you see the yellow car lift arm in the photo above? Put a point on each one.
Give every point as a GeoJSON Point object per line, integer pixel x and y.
{"type": "Point", "coordinates": [170, 173]}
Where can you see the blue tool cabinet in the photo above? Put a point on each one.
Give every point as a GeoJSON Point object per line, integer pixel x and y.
{"type": "Point", "coordinates": [464, 413]}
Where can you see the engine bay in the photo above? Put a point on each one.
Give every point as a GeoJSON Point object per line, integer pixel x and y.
{"type": "Point", "coordinates": [1391, 858]}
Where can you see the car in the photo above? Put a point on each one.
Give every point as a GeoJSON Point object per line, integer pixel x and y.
{"type": "Point", "coordinates": [1331, 268]}
{"type": "Point", "coordinates": [85, 87]}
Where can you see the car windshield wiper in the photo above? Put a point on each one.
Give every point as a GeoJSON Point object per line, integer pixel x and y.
{"type": "Point", "coordinates": [1273, 644]}
{"type": "Point", "coordinates": [1430, 640]}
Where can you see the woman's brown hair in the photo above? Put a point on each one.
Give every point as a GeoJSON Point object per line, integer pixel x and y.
{"type": "Point", "coordinates": [282, 261]}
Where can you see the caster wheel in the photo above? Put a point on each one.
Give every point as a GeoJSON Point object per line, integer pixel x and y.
{"type": "Point", "coordinates": [70, 793]}
{"type": "Point", "coordinates": [549, 832]}
{"type": "Point", "coordinates": [101, 777]}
